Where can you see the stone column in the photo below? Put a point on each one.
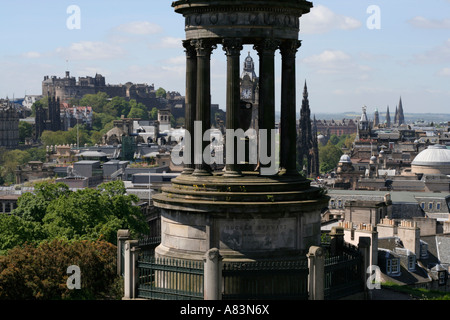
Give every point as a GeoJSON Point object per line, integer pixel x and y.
{"type": "Point", "coordinates": [266, 113]}
{"type": "Point", "coordinates": [364, 249]}
{"type": "Point", "coordinates": [130, 271]}
{"type": "Point", "coordinates": [204, 48]}
{"type": "Point", "coordinates": [122, 236]}
{"type": "Point", "coordinates": [212, 275]}
{"type": "Point", "coordinates": [190, 108]}
{"type": "Point", "coordinates": [233, 48]}
{"type": "Point", "coordinates": [288, 129]}
{"type": "Point", "coordinates": [316, 264]}
{"type": "Point", "coordinates": [337, 241]}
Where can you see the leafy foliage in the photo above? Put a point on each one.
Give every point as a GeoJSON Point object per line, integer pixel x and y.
{"type": "Point", "coordinates": [39, 272]}
{"type": "Point", "coordinates": [55, 212]}
{"type": "Point", "coordinates": [329, 156]}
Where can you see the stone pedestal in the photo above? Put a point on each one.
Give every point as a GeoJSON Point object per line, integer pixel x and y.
{"type": "Point", "coordinates": [247, 218]}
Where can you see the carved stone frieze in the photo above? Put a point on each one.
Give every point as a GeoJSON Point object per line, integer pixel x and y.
{"type": "Point", "coordinates": [247, 19]}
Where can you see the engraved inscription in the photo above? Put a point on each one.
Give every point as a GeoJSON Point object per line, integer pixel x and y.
{"type": "Point", "coordinates": [258, 234]}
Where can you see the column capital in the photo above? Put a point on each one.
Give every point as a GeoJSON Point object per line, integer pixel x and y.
{"type": "Point", "coordinates": [189, 49]}
{"type": "Point", "coordinates": [290, 47]}
{"type": "Point", "coordinates": [204, 47]}
{"type": "Point", "coordinates": [232, 46]}
{"type": "Point", "coordinates": [267, 46]}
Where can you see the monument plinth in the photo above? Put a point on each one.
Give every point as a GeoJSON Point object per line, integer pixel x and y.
{"type": "Point", "coordinates": [246, 215]}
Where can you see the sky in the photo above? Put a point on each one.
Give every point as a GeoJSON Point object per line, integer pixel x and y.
{"type": "Point", "coordinates": [354, 53]}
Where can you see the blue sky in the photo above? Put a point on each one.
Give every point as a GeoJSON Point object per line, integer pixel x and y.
{"type": "Point", "coordinates": [346, 64]}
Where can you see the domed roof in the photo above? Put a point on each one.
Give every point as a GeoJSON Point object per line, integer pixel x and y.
{"type": "Point", "coordinates": [435, 155]}
{"type": "Point", "coordinates": [345, 159]}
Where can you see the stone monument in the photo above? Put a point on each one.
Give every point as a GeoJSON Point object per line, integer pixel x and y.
{"type": "Point", "coordinates": [247, 215]}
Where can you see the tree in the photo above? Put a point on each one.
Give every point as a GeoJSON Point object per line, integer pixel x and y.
{"type": "Point", "coordinates": [55, 212]}
{"type": "Point", "coordinates": [39, 272]}
{"type": "Point", "coordinates": [161, 93]}
{"type": "Point", "coordinates": [138, 113]}
{"type": "Point", "coordinates": [25, 130]}
{"type": "Point", "coordinates": [117, 107]}
{"type": "Point", "coordinates": [154, 114]}
{"type": "Point", "coordinates": [99, 120]}
{"type": "Point", "coordinates": [329, 156]}
{"type": "Point", "coordinates": [15, 231]}
{"type": "Point", "coordinates": [96, 101]}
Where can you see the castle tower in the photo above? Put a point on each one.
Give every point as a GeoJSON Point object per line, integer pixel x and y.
{"type": "Point", "coordinates": [249, 90]}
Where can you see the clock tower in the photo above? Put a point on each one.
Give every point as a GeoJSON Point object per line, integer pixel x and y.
{"type": "Point", "coordinates": [249, 88]}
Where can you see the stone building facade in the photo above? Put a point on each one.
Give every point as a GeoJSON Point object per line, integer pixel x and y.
{"type": "Point", "coordinates": [9, 126]}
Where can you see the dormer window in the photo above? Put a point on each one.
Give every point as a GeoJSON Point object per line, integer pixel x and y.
{"type": "Point", "coordinates": [423, 250]}
{"type": "Point", "coordinates": [393, 266]}
{"type": "Point", "coordinates": [411, 263]}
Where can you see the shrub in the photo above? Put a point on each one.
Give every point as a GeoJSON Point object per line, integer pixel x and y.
{"type": "Point", "coordinates": [39, 272]}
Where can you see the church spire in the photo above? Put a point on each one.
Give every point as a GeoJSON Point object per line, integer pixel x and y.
{"type": "Point", "coordinates": [388, 118]}
{"type": "Point", "coordinates": [305, 91]}
{"type": "Point", "coordinates": [401, 116]}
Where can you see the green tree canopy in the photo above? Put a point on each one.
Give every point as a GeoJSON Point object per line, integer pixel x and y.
{"type": "Point", "coordinates": [329, 156]}
{"type": "Point", "coordinates": [96, 101]}
{"type": "Point", "coordinates": [55, 212]}
{"type": "Point", "coordinates": [39, 272]}
{"type": "Point", "coordinates": [25, 130]}
{"type": "Point", "coordinates": [161, 93]}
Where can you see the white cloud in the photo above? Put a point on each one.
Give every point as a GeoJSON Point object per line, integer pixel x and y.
{"type": "Point", "coordinates": [321, 20]}
{"type": "Point", "coordinates": [337, 62]}
{"type": "Point", "coordinates": [168, 43]}
{"type": "Point", "coordinates": [421, 22]}
{"type": "Point", "coordinates": [90, 50]}
{"type": "Point", "coordinates": [445, 72]}
{"type": "Point", "coordinates": [180, 60]}
{"type": "Point", "coordinates": [139, 28]}
{"type": "Point", "coordinates": [31, 55]}
{"type": "Point", "coordinates": [439, 54]}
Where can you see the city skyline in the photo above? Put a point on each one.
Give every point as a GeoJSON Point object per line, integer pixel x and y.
{"type": "Point", "coordinates": [354, 54]}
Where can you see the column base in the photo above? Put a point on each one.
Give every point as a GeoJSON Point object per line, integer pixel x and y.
{"type": "Point", "coordinates": [232, 173]}
{"type": "Point", "coordinates": [201, 172]}
{"type": "Point", "coordinates": [187, 171]}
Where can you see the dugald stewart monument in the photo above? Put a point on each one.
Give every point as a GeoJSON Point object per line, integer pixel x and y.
{"type": "Point", "coordinates": [256, 208]}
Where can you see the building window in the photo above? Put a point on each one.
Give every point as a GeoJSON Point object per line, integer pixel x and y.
{"type": "Point", "coordinates": [332, 203]}
{"type": "Point", "coordinates": [393, 266]}
{"type": "Point", "coordinates": [411, 263]}
{"type": "Point", "coordinates": [423, 205]}
{"type": "Point", "coordinates": [438, 206]}
{"type": "Point", "coordinates": [340, 203]}
{"type": "Point", "coordinates": [423, 250]}
{"type": "Point", "coordinates": [430, 206]}
{"type": "Point", "coordinates": [442, 277]}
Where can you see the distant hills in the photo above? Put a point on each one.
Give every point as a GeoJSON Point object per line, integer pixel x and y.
{"type": "Point", "coordinates": [409, 117]}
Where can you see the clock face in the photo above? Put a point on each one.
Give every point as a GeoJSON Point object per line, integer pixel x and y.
{"type": "Point", "coordinates": [246, 93]}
